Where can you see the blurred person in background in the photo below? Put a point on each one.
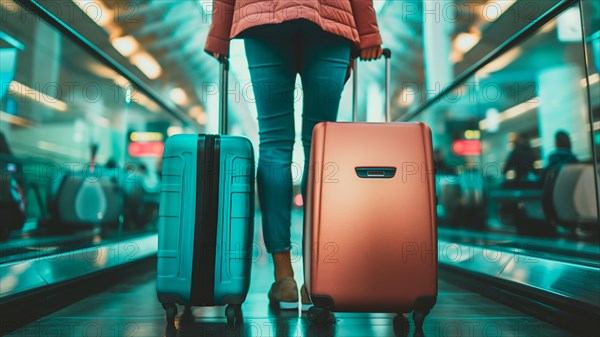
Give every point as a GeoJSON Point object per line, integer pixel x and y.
{"type": "Point", "coordinates": [520, 161]}
{"type": "Point", "coordinates": [470, 210]}
{"type": "Point", "coordinates": [563, 153]}
{"type": "Point", "coordinates": [316, 39]}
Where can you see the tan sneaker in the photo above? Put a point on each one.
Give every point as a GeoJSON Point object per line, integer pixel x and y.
{"type": "Point", "coordinates": [284, 294]}
{"type": "Point", "coordinates": [304, 299]}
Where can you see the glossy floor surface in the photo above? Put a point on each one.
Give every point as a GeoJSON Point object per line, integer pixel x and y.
{"type": "Point", "coordinates": [131, 309]}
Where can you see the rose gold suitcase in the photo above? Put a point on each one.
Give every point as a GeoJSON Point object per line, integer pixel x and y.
{"type": "Point", "coordinates": [370, 239]}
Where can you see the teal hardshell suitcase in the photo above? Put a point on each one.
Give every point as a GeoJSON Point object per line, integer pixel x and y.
{"type": "Point", "coordinates": [206, 219]}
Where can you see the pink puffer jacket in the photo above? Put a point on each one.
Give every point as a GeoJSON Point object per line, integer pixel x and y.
{"type": "Point", "coordinates": [352, 19]}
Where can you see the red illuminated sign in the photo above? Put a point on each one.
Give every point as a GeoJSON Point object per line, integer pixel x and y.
{"type": "Point", "coordinates": [466, 147]}
{"type": "Point", "coordinates": [146, 149]}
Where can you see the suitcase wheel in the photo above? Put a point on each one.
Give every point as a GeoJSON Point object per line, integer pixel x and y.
{"type": "Point", "coordinates": [419, 318]}
{"type": "Point", "coordinates": [320, 316]}
{"type": "Point", "coordinates": [233, 312]}
{"type": "Point", "coordinates": [401, 325]}
{"type": "Point", "coordinates": [171, 312]}
{"type": "Point", "coordinates": [187, 318]}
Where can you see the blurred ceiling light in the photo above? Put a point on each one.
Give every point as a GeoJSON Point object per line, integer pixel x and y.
{"type": "Point", "coordinates": [455, 57]}
{"type": "Point", "coordinates": [491, 10]}
{"type": "Point", "coordinates": [96, 10]}
{"type": "Point", "coordinates": [114, 31]}
{"type": "Point", "coordinates": [548, 27]}
{"type": "Point", "coordinates": [12, 119]}
{"type": "Point", "coordinates": [20, 89]}
{"type": "Point", "coordinates": [122, 82]}
{"type": "Point", "coordinates": [179, 96]}
{"type": "Point", "coordinates": [147, 64]}
{"type": "Point", "coordinates": [201, 119]}
{"type": "Point", "coordinates": [520, 109]}
{"type": "Point", "coordinates": [8, 6]}
{"type": "Point", "coordinates": [593, 79]}
{"type": "Point", "coordinates": [195, 111]}
{"type": "Point", "coordinates": [101, 70]}
{"type": "Point", "coordinates": [501, 62]}
{"type": "Point", "coordinates": [465, 41]}
{"type": "Point", "coordinates": [504, 4]}
{"type": "Point", "coordinates": [406, 97]}
{"type": "Point", "coordinates": [174, 130]}
{"type": "Point", "coordinates": [126, 45]}
{"type": "Point", "coordinates": [198, 113]}
{"type": "Point", "coordinates": [143, 100]}
{"type": "Point", "coordinates": [513, 112]}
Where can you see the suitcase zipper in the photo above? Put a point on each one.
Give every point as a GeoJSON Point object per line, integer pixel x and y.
{"type": "Point", "coordinates": [207, 205]}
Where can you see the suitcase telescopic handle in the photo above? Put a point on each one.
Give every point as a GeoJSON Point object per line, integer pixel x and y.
{"type": "Point", "coordinates": [223, 85]}
{"type": "Point", "coordinates": [387, 54]}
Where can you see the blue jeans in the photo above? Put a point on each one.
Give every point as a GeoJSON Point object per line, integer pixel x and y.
{"type": "Point", "coordinates": [276, 54]}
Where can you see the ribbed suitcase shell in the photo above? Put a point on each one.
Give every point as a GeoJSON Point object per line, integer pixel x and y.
{"type": "Point", "coordinates": [370, 244]}
{"type": "Point", "coordinates": [177, 221]}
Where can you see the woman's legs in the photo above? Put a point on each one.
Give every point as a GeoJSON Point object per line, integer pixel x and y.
{"type": "Point", "coordinates": [273, 67]}
{"type": "Point", "coordinates": [325, 60]}
{"type": "Point", "coordinates": [274, 58]}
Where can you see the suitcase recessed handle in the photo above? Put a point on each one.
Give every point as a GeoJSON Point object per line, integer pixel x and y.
{"type": "Point", "coordinates": [376, 172]}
